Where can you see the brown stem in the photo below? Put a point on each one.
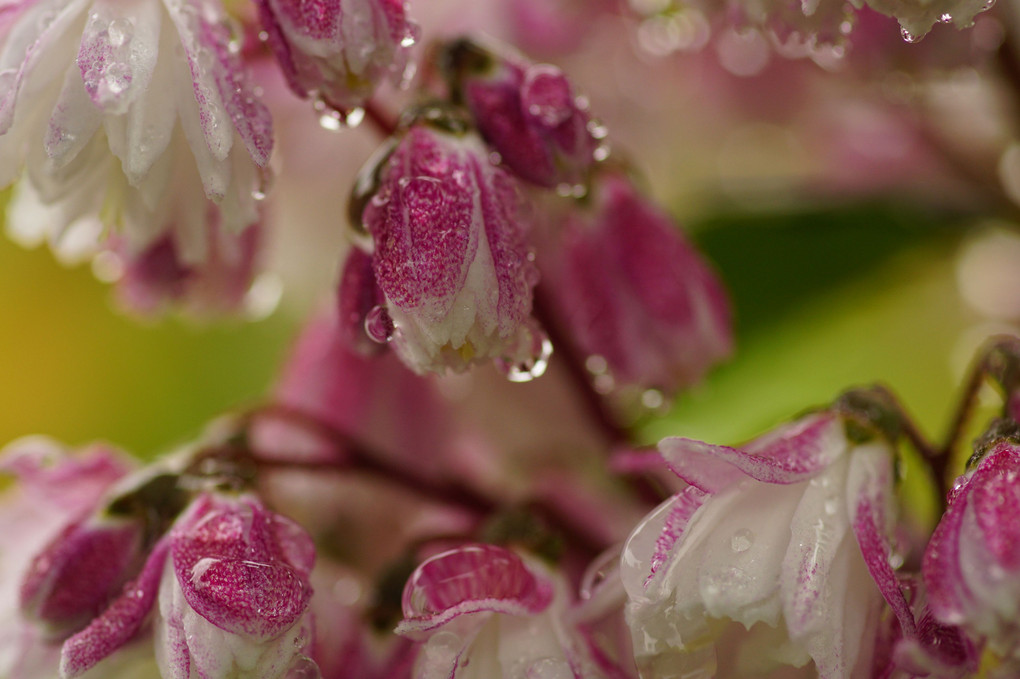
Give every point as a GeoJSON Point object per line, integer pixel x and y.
{"type": "Point", "coordinates": [354, 455]}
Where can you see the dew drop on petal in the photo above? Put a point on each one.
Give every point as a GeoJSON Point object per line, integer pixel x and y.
{"type": "Point", "coordinates": [379, 325]}
{"type": "Point", "coordinates": [908, 36]}
{"type": "Point", "coordinates": [120, 31]}
{"type": "Point", "coordinates": [303, 668]}
{"type": "Point", "coordinates": [599, 571]}
{"type": "Point", "coordinates": [742, 540]}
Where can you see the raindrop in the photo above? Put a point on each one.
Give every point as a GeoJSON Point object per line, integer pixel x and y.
{"type": "Point", "coordinates": [742, 540]}
{"type": "Point", "coordinates": [334, 121]}
{"type": "Point", "coordinates": [529, 369]}
{"type": "Point", "coordinates": [908, 36]}
{"type": "Point", "coordinates": [263, 36]}
{"type": "Point", "coordinates": [597, 130]}
{"type": "Point", "coordinates": [652, 399]}
{"type": "Point", "coordinates": [601, 153]}
{"type": "Point", "coordinates": [596, 365]}
{"type": "Point", "coordinates": [411, 34]}
{"type": "Point", "coordinates": [303, 668]}
{"type": "Point", "coordinates": [946, 18]}
{"type": "Point", "coordinates": [378, 325]}
{"type": "Point", "coordinates": [120, 31]}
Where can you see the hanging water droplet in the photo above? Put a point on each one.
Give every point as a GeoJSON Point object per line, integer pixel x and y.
{"type": "Point", "coordinates": [115, 80]}
{"type": "Point", "coordinates": [378, 325]}
{"type": "Point", "coordinates": [303, 668]}
{"type": "Point", "coordinates": [331, 121]}
{"type": "Point", "coordinates": [334, 121]}
{"type": "Point", "coordinates": [908, 36]}
{"type": "Point", "coordinates": [601, 153]}
{"type": "Point", "coordinates": [831, 505]}
{"type": "Point", "coordinates": [946, 18]}
{"type": "Point", "coordinates": [120, 31]}
{"type": "Point", "coordinates": [412, 33]}
{"type": "Point", "coordinates": [528, 369]}
{"type": "Point", "coordinates": [596, 365]}
{"type": "Point", "coordinates": [742, 540]}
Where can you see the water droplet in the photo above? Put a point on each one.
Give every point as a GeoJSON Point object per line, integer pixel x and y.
{"type": "Point", "coordinates": [742, 540]}
{"type": "Point", "coordinates": [45, 19]}
{"type": "Point", "coordinates": [652, 399]}
{"type": "Point", "coordinates": [530, 368]}
{"type": "Point", "coordinates": [120, 31]}
{"type": "Point", "coordinates": [334, 121]}
{"type": "Point", "coordinates": [831, 505]}
{"type": "Point", "coordinates": [115, 80]}
{"type": "Point", "coordinates": [263, 36]}
{"type": "Point", "coordinates": [597, 130]}
{"type": "Point", "coordinates": [946, 18]}
{"type": "Point", "coordinates": [378, 325]}
{"type": "Point", "coordinates": [303, 668]}
{"type": "Point", "coordinates": [908, 36]}
{"type": "Point", "coordinates": [568, 190]}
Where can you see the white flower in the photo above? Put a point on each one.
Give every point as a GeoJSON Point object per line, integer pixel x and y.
{"type": "Point", "coordinates": [126, 117]}
{"type": "Point", "coordinates": [784, 536]}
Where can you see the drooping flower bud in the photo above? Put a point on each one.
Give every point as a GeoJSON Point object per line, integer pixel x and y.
{"type": "Point", "coordinates": [971, 567]}
{"type": "Point", "coordinates": [449, 254]}
{"type": "Point", "coordinates": [338, 50]}
{"type": "Point", "coordinates": [527, 112]}
{"type": "Point", "coordinates": [234, 592]}
{"type": "Point", "coordinates": [786, 536]}
{"type": "Point", "coordinates": [633, 293]}
{"type": "Point", "coordinates": [484, 606]}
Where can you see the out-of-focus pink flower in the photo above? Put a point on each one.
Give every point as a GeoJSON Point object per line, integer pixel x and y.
{"type": "Point", "coordinates": [338, 50]}
{"type": "Point", "coordinates": [449, 254]}
{"type": "Point", "coordinates": [158, 277]}
{"type": "Point", "coordinates": [55, 491]}
{"type": "Point", "coordinates": [634, 293]}
{"type": "Point", "coordinates": [527, 112]}
{"type": "Point", "coordinates": [482, 611]}
{"type": "Point", "coordinates": [122, 114]}
{"type": "Point", "coordinates": [971, 567]}
{"type": "Point", "coordinates": [785, 536]}
{"type": "Point", "coordinates": [553, 27]}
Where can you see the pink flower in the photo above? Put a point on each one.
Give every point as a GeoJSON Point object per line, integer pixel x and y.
{"type": "Point", "coordinates": [785, 536]}
{"type": "Point", "coordinates": [483, 612]}
{"type": "Point", "coordinates": [135, 119]}
{"type": "Point", "coordinates": [231, 579]}
{"type": "Point", "coordinates": [634, 293]}
{"type": "Point", "coordinates": [449, 254]}
{"type": "Point", "coordinates": [527, 112]}
{"type": "Point", "coordinates": [338, 50]}
{"type": "Point", "coordinates": [55, 493]}
{"type": "Point", "coordinates": [158, 276]}
{"type": "Point", "coordinates": [971, 567]}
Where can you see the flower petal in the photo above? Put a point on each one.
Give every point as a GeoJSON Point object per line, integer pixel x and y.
{"type": "Point", "coordinates": [119, 623]}
{"type": "Point", "coordinates": [468, 580]}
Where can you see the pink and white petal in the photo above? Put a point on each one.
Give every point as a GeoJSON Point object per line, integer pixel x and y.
{"type": "Point", "coordinates": [788, 455]}
{"type": "Point", "coordinates": [471, 579]}
{"type": "Point", "coordinates": [212, 117]}
{"type": "Point", "coordinates": [151, 120]}
{"type": "Point", "coordinates": [117, 53]}
{"type": "Point", "coordinates": [119, 623]}
{"type": "Point", "coordinates": [73, 122]}
{"type": "Point", "coordinates": [996, 503]}
{"type": "Point", "coordinates": [682, 509]}
{"type": "Point", "coordinates": [819, 528]}
{"type": "Point", "coordinates": [28, 55]}
{"type": "Point", "coordinates": [212, 168]}
{"type": "Point", "coordinates": [868, 518]}
{"type": "Point", "coordinates": [171, 642]}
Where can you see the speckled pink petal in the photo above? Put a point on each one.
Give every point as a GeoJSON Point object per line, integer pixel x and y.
{"type": "Point", "coordinates": [683, 506]}
{"type": "Point", "coordinates": [791, 454]}
{"type": "Point", "coordinates": [119, 623]}
{"type": "Point", "coordinates": [469, 580]}
{"type": "Point", "coordinates": [996, 503]}
{"type": "Point", "coordinates": [241, 567]}
{"type": "Point", "coordinates": [868, 522]}
{"type": "Point", "coordinates": [69, 582]}
{"type": "Point", "coordinates": [943, 578]}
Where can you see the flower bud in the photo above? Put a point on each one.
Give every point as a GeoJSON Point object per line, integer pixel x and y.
{"type": "Point", "coordinates": [449, 255]}
{"type": "Point", "coordinates": [971, 567]}
{"type": "Point", "coordinates": [234, 592]}
{"type": "Point", "coordinates": [634, 293]}
{"type": "Point", "coordinates": [527, 112]}
{"type": "Point", "coordinates": [485, 605]}
{"type": "Point", "coordinates": [338, 51]}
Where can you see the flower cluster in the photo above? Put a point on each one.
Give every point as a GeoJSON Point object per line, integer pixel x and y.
{"type": "Point", "coordinates": [379, 518]}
